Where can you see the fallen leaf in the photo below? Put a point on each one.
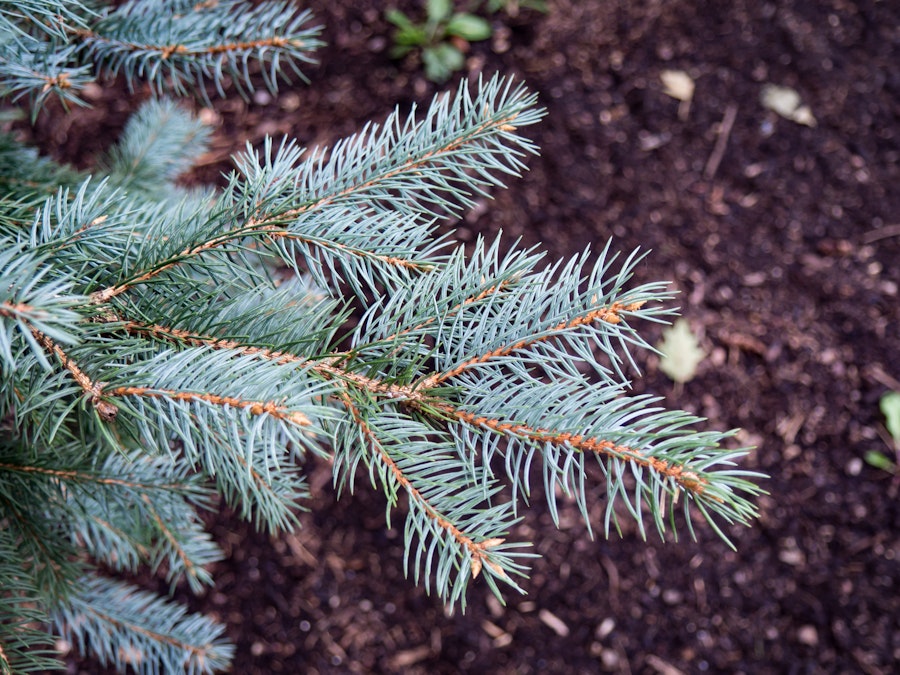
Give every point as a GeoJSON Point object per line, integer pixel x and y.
{"type": "Point", "coordinates": [786, 102]}
{"type": "Point", "coordinates": [677, 84]}
{"type": "Point", "coordinates": [681, 352]}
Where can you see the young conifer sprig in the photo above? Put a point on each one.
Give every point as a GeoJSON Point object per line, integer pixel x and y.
{"type": "Point", "coordinates": [25, 643]}
{"type": "Point", "coordinates": [386, 185]}
{"type": "Point", "coordinates": [109, 508]}
{"type": "Point", "coordinates": [131, 629]}
{"type": "Point", "coordinates": [164, 350]}
{"type": "Point", "coordinates": [37, 18]}
{"type": "Point", "coordinates": [158, 145]}
{"type": "Point", "coordinates": [182, 46]}
{"type": "Point", "coordinates": [33, 301]}
{"type": "Point", "coordinates": [34, 71]}
{"type": "Point", "coordinates": [491, 361]}
{"type": "Point", "coordinates": [178, 46]}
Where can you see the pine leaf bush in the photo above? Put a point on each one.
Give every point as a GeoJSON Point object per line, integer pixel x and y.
{"type": "Point", "coordinates": [155, 363]}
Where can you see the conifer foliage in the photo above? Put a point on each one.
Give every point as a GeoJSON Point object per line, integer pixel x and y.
{"type": "Point", "coordinates": [157, 361]}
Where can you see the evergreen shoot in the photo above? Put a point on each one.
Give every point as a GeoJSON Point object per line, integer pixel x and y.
{"type": "Point", "coordinates": [164, 350]}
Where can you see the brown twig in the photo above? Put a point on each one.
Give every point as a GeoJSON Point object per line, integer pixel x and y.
{"type": "Point", "coordinates": [95, 389]}
{"type": "Point", "coordinates": [67, 474]}
{"type": "Point", "coordinates": [885, 232]}
{"type": "Point", "coordinates": [327, 367]}
{"type": "Point", "coordinates": [255, 407]}
{"type": "Point", "coordinates": [712, 164]}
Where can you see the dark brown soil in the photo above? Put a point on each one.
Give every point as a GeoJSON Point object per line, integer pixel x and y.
{"type": "Point", "coordinates": [786, 255]}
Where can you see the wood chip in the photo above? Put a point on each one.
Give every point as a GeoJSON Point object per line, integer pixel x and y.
{"type": "Point", "coordinates": [409, 657]}
{"type": "Point", "coordinates": [555, 624]}
{"type": "Point", "coordinates": [663, 667]}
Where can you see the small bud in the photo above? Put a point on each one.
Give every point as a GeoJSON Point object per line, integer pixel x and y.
{"type": "Point", "coordinates": [499, 571]}
{"type": "Point", "coordinates": [106, 410]}
{"type": "Point", "coordinates": [476, 567]}
{"type": "Point", "coordinates": [299, 419]}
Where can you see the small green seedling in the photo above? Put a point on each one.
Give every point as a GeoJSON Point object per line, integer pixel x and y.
{"type": "Point", "coordinates": [880, 461]}
{"type": "Point", "coordinates": [681, 352]}
{"type": "Point", "coordinates": [512, 7]}
{"type": "Point", "coordinates": [443, 37]}
{"type": "Point", "coordinates": [890, 408]}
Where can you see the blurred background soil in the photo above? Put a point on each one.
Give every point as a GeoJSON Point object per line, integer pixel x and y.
{"type": "Point", "coordinates": [783, 240]}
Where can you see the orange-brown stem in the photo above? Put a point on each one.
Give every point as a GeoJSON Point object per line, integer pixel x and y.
{"type": "Point", "coordinates": [167, 51]}
{"type": "Point", "coordinates": [386, 259]}
{"type": "Point", "coordinates": [105, 295]}
{"type": "Point", "coordinates": [84, 477]}
{"type": "Point", "coordinates": [255, 407]}
{"type": "Point", "coordinates": [689, 480]}
{"type": "Point", "coordinates": [420, 400]}
{"type": "Point", "coordinates": [327, 366]}
{"type": "Point", "coordinates": [403, 168]}
{"type": "Point", "coordinates": [13, 311]}
{"type": "Point", "coordinates": [476, 550]}
{"type": "Point", "coordinates": [197, 651]}
{"type": "Point", "coordinates": [189, 566]}
{"type": "Point", "coordinates": [106, 410]}
{"type": "Point", "coordinates": [610, 314]}
{"type": "Point", "coordinates": [264, 226]}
